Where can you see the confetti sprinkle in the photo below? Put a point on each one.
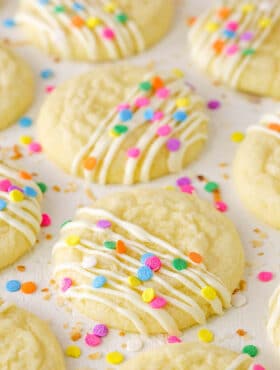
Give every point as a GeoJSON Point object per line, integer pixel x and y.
{"type": "Point", "coordinates": [153, 262]}
{"type": "Point", "coordinates": [72, 240]}
{"type": "Point", "coordinates": [92, 340]}
{"type": "Point", "coordinates": [46, 220]}
{"type": "Point", "coordinates": [213, 104]}
{"type": "Point", "coordinates": [25, 122]}
{"type": "Point", "coordinates": [29, 287]}
{"type": "Point", "coordinates": [144, 273]}
{"type": "Point", "coordinates": [179, 264]}
{"type": "Point", "coordinates": [221, 206]}
{"type": "Point", "coordinates": [88, 262]}
{"type": "Point", "coordinates": [172, 339]}
{"type": "Point", "coordinates": [209, 293]}
{"type": "Point", "coordinates": [3, 204]}
{"type": "Point", "coordinates": [99, 281]}
{"type": "Point", "coordinates": [134, 344]}
{"type": "Point", "coordinates": [250, 350]}
{"type": "Point", "coordinates": [133, 281]}
{"type": "Point", "coordinates": [73, 351]}
{"type": "Point", "coordinates": [100, 330]}
{"type": "Point", "coordinates": [35, 147]}
{"type": "Point", "coordinates": [148, 295]}
{"type": "Point", "coordinates": [237, 137]}
{"type": "Point", "coordinates": [158, 302]}
{"type": "Point", "coordinates": [205, 335]}
{"type": "Point", "coordinates": [46, 73]}
{"type": "Point", "coordinates": [13, 286]}
{"type": "Point", "coordinates": [265, 276]}
{"type": "Point", "coordinates": [114, 358]}
{"type": "Point", "coordinates": [66, 284]}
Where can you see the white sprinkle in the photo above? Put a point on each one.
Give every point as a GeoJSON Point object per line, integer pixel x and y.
{"type": "Point", "coordinates": [88, 262]}
{"type": "Point", "coordinates": [134, 344]}
{"type": "Point", "coordinates": [238, 300]}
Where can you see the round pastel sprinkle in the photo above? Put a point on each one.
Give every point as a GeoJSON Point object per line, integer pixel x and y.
{"type": "Point", "coordinates": [195, 257]}
{"type": "Point", "coordinates": [183, 181]}
{"type": "Point", "coordinates": [121, 17]}
{"type": "Point", "coordinates": [163, 93]}
{"type": "Point", "coordinates": [145, 86]}
{"type": "Point", "coordinates": [205, 335]}
{"type": "Point", "coordinates": [103, 224]}
{"type": "Point", "coordinates": [213, 104]}
{"type": "Point", "coordinates": [133, 281]}
{"type": "Point", "coordinates": [144, 273]}
{"type": "Point", "coordinates": [246, 36]}
{"type": "Point", "coordinates": [108, 33]}
{"type": "Point", "coordinates": [250, 350]}
{"type": "Point", "coordinates": [88, 262]}
{"type": "Point", "coordinates": [164, 130]}
{"type": "Point", "coordinates": [30, 192]}
{"type": "Point", "coordinates": [237, 137]}
{"type": "Point", "coordinates": [46, 73]}
{"type": "Point", "coordinates": [92, 340]}
{"type": "Point", "coordinates": [265, 276]}
{"type": "Point", "coordinates": [66, 283]}
{"type": "Point", "coordinates": [16, 195]}
{"type": "Point", "coordinates": [211, 186]}
{"type": "Point", "coordinates": [123, 106]}
{"type": "Point", "coordinates": [72, 240]}
{"type": "Point", "coordinates": [209, 293]}
{"type": "Point", "coordinates": [145, 256]}
{"type": "Point", "coordinates": [134, 344]}
{"type": "Point", "coordinates": [100, 330]}
{"type": "Point", "coordinates": [5, 185]}
{"type": "Point", "coordinates": [142, 101]}
{"type": "Point", "coordinates": [172, 339]}
{"type": "Point", "coordinates": [258, 367]}
{"type": "Point", "coordinates": [25, 140]}
{"type": "Point", "coordinates": [114, 358]}
{"type": "Point", "coordinates": [120, 129]}
{"type": "Point", "coordinates": [149, 114]}
{"type": "Point", "coordinates": [43, 187]}
{"type": "Point", "coordinates": [133, 152]}
{"type": "Point", "coordinates": [121, 247]}
{"type": "Point", "coordinates": [158, 302]}
{"type": "Point", "coordinates": [183, 102]}
{"type": "Point", "coordinates": [13, 286]}
{"type": "Point", "coordinates": [148, 295]}
{"type": "Point", "coordinates": [179, 264]}
{"type": "Point", "coordinates": [3, 204]}
{"type": "Point", "coordinates": [158, 115]}
{"type": "Point", "coordinates": [189, 189]}
{"type": "Point", "coordinates": [49, 89]}
{"type": "Point", "coordinates": [25, 122]}
{"type": "Point", "coordinates": [109, 244]}
{"type": "Point", "coordinates": [73, 351]}
{"type": "Point", "coordinates": [99, 281]}
{"type": "Point", "coordinates": [46, 220]}
{"type": "Point", "coordinates": [14, 187]}
{"type": "Point", "coordinates": [180, 116]}
{"type": "Point", "coordinates": [89, 163]}
{"type": "Point", "coordinates": [35, 147]}
{"type": "Point", "coordinates": [125, 115]}
{"type": "Point", "coordinates": [9, 22]}
{"type": "Point", "coordinates": [221, 206]}
{"type": "Point", "coordinates": [173, 145]}
{"type": "Point", "coordinates": [153, 262]}
{"type": "Point", "coordinates": [28, 287]}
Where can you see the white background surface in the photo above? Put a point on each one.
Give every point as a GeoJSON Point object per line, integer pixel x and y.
{"type": "Point", "coordinates": [236, 113]}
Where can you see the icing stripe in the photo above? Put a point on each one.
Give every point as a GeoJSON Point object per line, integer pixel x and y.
{"type": "Point", "coordinates": [274, 316]}
{"type": "Point", "coordinates": [238, 362]}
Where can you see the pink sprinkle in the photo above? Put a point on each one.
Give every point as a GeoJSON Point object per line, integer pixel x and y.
{"type": "Point", "coordinates": [164, 130]}
{"type": "Point", "coordinates": [92, 340]}
{"type": "Point", "coordinates": [100, 330]}
{"type": "Point", "coordinates": [265, 276]}
{"type": "Point", "coordinates": [35, 147]}
{"type": "Point", "coordinates": [153, 262]}
{"type": "Point", "coordinates": [173, 339]}
{"type": "Point", "coordinates": [232, 49]}
{"type": "Point", "coordinates": [46, 220]}
{"type": "Point", "coordinates": [221, 206]}
{"type": "Point", "coordinates": [108, 33]}
{"type": "Point", "coordinates": [158, 116]}
{"type": "Point", "coordinates": [173, 144]}
{"type": "Point", "coordinates": [123, 106]}
{"type": "Point", "coordinates": [103, 224]}
{"type": "Point", "coordinates": [49, 89]}
{"type": "Point", "coordinates": [188, 188]}
{"type": "Point", "coordinates": [5, 185]}
{"type": "Point", "coordinates": [232, 26]}
{"type": "Point", "coordinates": [158, 302]}
{"type": "Point", "coordinates": [133, 152]}
{"type": "Point", "coordinates": [258, 367]}
{"type": "Point", "coordinates": [142, 101]}
{"type": "Point", "coordinates": [163, 93]}
{"type": "Point", "coordinates": [66, 284]}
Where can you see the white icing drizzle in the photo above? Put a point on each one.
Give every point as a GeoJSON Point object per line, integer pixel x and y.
{"type": "Point", "coordinates": [55, 27]}
{"type": "Point", "coordinates": [104, 148]}
{"type": "Point", "coordinates": [274, 316]}
{"type": "Point", "coordinates": [24, 216]}
{"type": "Point", "coordinates": [263, 125]}
{"type": "Point", "coordinates": [230, 67]}
{"type": "Point", "coordinates": [195, 277]}
{"type": "Point", "coordinates": [236, 363]}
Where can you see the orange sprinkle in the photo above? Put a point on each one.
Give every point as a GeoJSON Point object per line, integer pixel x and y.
{"type": "Point", "coordinates": [195, 257]}
{"type": "Point", "coordinates": [218, 46]}
{"type": "Point", "coordinates": [191, 21]}
{"type": "Point", "coordinates": [274, 126]}
{"type": "Point", "coordinates": [89, 163]}
{"type": "Point", "coordinates": [21, 268]}
{"type": "Point", "coordinates": [29, 287]}
{"type": "Point", "coordinates": [121, 247]}
{"type": "Point", "coordinates": [157, 83]}
{"type": "Point", "coordinates": [223, 13]}
{"type": "Point", "coordinates": [78, 21]}
{"type": "Point", "coordinates": [25, 175]}
{"type": "Point", "coordinates": [217, 196]}
{"type": "Point", "coordinates": [241, 332]}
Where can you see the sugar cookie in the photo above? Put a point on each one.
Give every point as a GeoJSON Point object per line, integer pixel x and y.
{"type": "Point", "coordinates": [20, 213]}
{"type": "Point", "coordinates": [273, 324]}
{"type": "Point", "coordinates": [256, 170]}
{"type": "Point", "coordinates": [143, 277]}
{"type": "Point", "coordinates": [237, 43]}
{"type": "Point", "coordinates": [26, 342]}
{"type": "Point", "coordinates": [123, 124]}
{"type": "Point", "coordinates": [95, 30]}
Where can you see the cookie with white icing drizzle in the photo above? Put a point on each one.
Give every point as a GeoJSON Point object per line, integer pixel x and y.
{"type": "Point", "coordinates": [149, 261]}
{"type": "Point", "coordinates": [95, 30]}
{"type": "Point", "coordinates": [20, 213]}
{"type": "Point", "coordinates": [191, 356]}
{"type": "Point", "coordinates": [123, 124]}
{"type": "Point", "coordinates": [273, 323]}
{"type": "Point", "coordinates": [236, 42]}
{"type": "Point", "coordinates": [27, 342]}
{"type": "Point", "coordinates": [16, 86]}
{"type": "Point", "coordinates": [256, 170]}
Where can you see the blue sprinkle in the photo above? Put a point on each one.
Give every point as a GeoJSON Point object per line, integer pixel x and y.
{"type": "Point", "coordinates": [43, 2]}
{"type": "Point", "coordinates": [46, 73]}
{"type": "Point", "coordinates": [229, 34]}
{"type": "Point", "coordinates": [13, 286]}
{"type": "Point", "coordinates": [99, 281]}
{"type": "Point", "coordinates": [145, 257]}
{"type": "Point", "coordinates": [149, 114]}
{"type": "Point", "coordinates": [180, 116]}
{"type": "Point", "coordinates": [125, 115]}
{"type": "Point", "coordinates": [3, 204]}
{"type": "Point", "coordinates": [78, 6]}
{"type": "Point", "coordinates": [144, 273]}
{"type": "Point", "coordinates": [30, 192]}
{"type": "Point", "coordinates": [25, 122]}
{"type": "Point", "coordinates": [9, 23]}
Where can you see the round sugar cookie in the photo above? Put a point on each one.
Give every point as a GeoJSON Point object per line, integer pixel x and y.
{"type": "Point", "coordinates": [190, 356]}
{"type": "Point", "coordinates": [27, 342]}
{"type": "Point", "coordinates": [20, 213]}
{"type": "Point", "coordinates": [149, 261]}
{"type": "Point", "coordinates": [256, 170]}
{"type": "Point", "coordinates": [122, 124]}
{"type": "Point", "coordinates": [16, 86]}
{"type": "Point", "coordinates": [95, 30]}
{"type": "Point", "coordinates": [273, 323]}
{"type": "Point", "coordinates": [236, 42]}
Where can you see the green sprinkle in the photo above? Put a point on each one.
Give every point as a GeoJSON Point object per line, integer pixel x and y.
{"type": "Point", "coordinates": [211, 186]}
{"type": "Point", "coordinates": [179, 264]}
{"type": "Point", "coordinates": [59, 9]}
{"type": "Point", "coordinates": [120, 129]}
{"type": "Point", "coordinates": [248, 51]}
{"type": "Point", "coordinates": [145, 85]}
{"type": "Point", "coordinates": [122, 18]}
{"type": "Point", "coordinates": [250, 350]}
{"type": "Point", "coordinates": [65, 223]}
{"type": "Point", "coordinates": [110, 244]}
{"type": "Point", "coordinates": [43, 187]}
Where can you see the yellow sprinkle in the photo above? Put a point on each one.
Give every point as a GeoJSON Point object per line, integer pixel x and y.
{"type": "Point", "coordinates": [205, 335]}
{"type": "Point", "coordinates": [93, 22]}
{"type": "Point", "coordinates": [25, 140]}
{"type": "Point", "coordinates": [114, 358]}
{"type": "Point", "coordinates": [178, 72]}
{"type": "Point", "coordinates": [237, 137]}
{"type": "Point", "coordinates": [133, 281]}
{"type": "Point", "coordinates": [170, 187]}
{"type": "Point", "coordinates": [209, 293]}
{"type": "Point", "coordinates": [16, 196]}
{"type": "Point", "coordinates": [148, 295]}
{"type": "Point", "coordinates": [264, 22]}
{"type": "Point", "coordinates": [182, 102]}
{"type": "Point", "coordinates": [73, 351]}
{"type": "Point", "coordinates": [113, 133]}
{"type": "Point", "coordinates": [211, 27]}
{"type": "Point", "coordinates": [247, 8]}
{"type": "Point", "coordinates": [72, 240]}
{"type": "Point", "coordinates": [110, 7]}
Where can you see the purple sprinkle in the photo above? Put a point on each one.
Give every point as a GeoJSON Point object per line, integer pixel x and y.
{"type": "Point", "coordinates": [100, 330]}
{"type": "Point", "coordinates": [214, 104]}
{"type": "Point", "coordinates": [183, 181]}
{"type": "Point", "coordinates": [173, 145]}
{"type": "Point", "coordinates": [247, 36]}
{"type": "Point", "coordinates": [103, 224]}
{"type": "Point", "coordinates": [14, 187]}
